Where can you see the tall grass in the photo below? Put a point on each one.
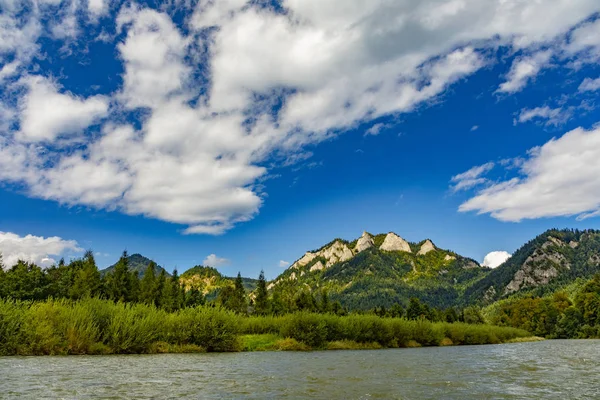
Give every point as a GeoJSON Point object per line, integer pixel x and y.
{"type": "Point", "coordinates": [94, 326]}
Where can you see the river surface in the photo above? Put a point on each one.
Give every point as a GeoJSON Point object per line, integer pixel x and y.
{"type": "Point", "coordinates": [542, 370]}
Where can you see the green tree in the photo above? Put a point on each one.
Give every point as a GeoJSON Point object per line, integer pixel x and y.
{"type": "Point", "coordinates": [87, 281]}
{"type": "Point", "coordinates": [261, 302]}
{"type": "Point", "coordinates": [178, 291]}
{"type": "Point", "coordinates": [325, 305]}
{"type": "Point", "coordinates": [167, 296]}
{"type": "Point", "coordinates": [161, 282]}
{"type": "Point", "coordinates": [119, 281]}
{"type": "Point", "coordinates": [472, 315]}
{"type": "Point", "coordinates": [148, 289]}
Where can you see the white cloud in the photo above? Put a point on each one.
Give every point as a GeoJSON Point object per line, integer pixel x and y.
{"type": "Point", "coordinates": [474, 128]}
{"type": "Point", "coordinates": [376, 129]}
{"type": "Point", "coordinates": [47, 114]}
{"type": "Point", "coordinates": [590, 85]}
{"type": "Point", "coordinates": [471, 178]}
{"type": "Point", "coordinates": [198, 149]}
{"type": "Point", "coordinates": [495, 259]}
{"type": "Point", "coordinates": [559, 178]}
{"type": "Point", "coordinates": [549, 116]}
{"type": "Point", "coordinates": [98, 8]}
{"type": "Point", "coordinates": [584, 42]}
{"type": "Point", "coordinates": [284, 264]}
{"type": "Point", "coordinates": [35, 249]}
{"type": "Point", "coordinates": [214, 261]}
{"type": "Point", "coordinates": [523, 70]}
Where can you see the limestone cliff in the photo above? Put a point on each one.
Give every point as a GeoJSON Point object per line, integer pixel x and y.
{"type": "Point", "coordinates": [393, 242]}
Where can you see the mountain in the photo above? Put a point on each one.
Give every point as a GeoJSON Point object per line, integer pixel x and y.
{"type": "Point", "coordinates": [382, 270]}
{"type": "Point", "coordinates": [209, 281]}
{"type": "Point", "coordinates": [137, 262]}
{"type": "Point", "coordinates": [549, 262]}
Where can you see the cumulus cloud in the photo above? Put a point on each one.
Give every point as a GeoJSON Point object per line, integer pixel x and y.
{"type": "Point", "coordinates": [204, 108]}
{"type": "Point", "coordinates": [471, 178]}
{"type": "Point", "coordinates": [284, 264]}
{"type": "Point", "coordinates": [35, 249]}
{"type": "Point", "coordinates": [47, 115]}
{"type": "Point", "coordinates": [214, 261]}
{"type": "Point", "coordinates": [495, 259]}
{"type": "Point", "coordinates": [559, 178]}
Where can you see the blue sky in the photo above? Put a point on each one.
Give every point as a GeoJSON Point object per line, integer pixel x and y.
{"type": "Point", "coordinates": [243, 134]}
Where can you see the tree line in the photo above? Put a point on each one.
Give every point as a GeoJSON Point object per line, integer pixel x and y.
{"type": "Point", "coordinates": [81, 279]}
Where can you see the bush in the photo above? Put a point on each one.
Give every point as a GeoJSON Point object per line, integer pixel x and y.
{"type": "Point", "coordinates": [310, 329]}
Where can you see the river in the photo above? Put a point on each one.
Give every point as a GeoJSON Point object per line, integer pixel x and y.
{"type": "Point", "coordinates": [557, 369]}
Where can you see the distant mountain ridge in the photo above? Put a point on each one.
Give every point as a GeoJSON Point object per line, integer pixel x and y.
{"type": "Point", "coordinates": [385, 269]}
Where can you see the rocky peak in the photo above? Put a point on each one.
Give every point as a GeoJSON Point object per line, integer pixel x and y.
{"type": "Point", "coordinates": [394, 242]}
{"type": "Point", "coordinates": [365, 242]}
{"type": "Point", "coordinates": [337, 252]}
{"type": "Point", "coordinates": [426, 248]}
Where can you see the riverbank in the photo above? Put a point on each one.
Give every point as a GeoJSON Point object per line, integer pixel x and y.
{"type": "Point", "coordinates": [93, 326]}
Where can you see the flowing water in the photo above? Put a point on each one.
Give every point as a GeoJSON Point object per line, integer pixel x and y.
{"type": "Point", "coordinates": [541, 370]}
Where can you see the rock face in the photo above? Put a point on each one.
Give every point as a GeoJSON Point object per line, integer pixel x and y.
{"type": "Point", "coordinates": [317, 267]}
{"type": "Point", "coordinates": [307, 258]}
{"type": "Point", "coordinates": [394, 242]}
{"type": "Point", "coordinates": [365, 242]}
{"type": "Point", "coordinates": [337, 252]}
{"type": "Point", "coordinates": [449, 258]}
{"type": "Point", "coordinates": [426, 248]}
{"type": "Point", "coordinates": [539, 268]}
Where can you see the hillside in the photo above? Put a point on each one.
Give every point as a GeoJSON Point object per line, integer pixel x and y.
{"type": "Point", "coordinates": [549, 262]}
{"type": "Point", "coordinates": [382, 270]}
{"type": "Point", "coordinates": [138, 263]}
{"type": "Point", "coordinates": [209, 281]}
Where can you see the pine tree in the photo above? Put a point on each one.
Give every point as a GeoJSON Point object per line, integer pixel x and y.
{"type": "Point", "coordinates": [161, 282]}
{"type": "Point", "coordinates": [261, 302]}
{"type": "Point", "coordinates": [148, 292]}
{"type": "Point", "coordinates": [118, 282]}
{"type": "Point", "coordinates": [87, 281]}
{"type": "Point", "coordinates": [240, 304]}
{"type": "Point", "coordinates": [178, 291]}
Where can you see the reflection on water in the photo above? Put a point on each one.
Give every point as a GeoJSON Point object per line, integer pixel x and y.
{"type": "Point", "coordinates": [541, 370]}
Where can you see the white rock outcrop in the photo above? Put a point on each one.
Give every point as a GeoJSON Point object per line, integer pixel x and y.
{"type": "Point", "coordinates": [337, 252]}
{"type": "Point", "coordinates": [394, 242]}
{"type": "Point", "coordinates": [308, 257]}
{"type": "Point", "coordinates": [426, 248]}
{"type": "Point", "coordinates": [317, 267]}
{"type": "Point", "coordinates": [365, 242]}
{"type": "Point", "coordinates": [449, 258]}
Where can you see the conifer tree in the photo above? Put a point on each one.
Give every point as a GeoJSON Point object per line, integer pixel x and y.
{"type": "Point", "coordinates": [118, 282]}
{"type": "Point", "coordinates": [86, 281]}
{"type": "Point", "coordinates": [160, 285]}
{"type": "Point", "coordinates": [240, 303]}
{"type": "Point", "coordinates": [261, 302]}
{"type": "Point", "coordinates": [148, 292]}
{"type": "Point", "coordinates": [168, 296]}
{"type": "Point", "coordinates": [178, 291]}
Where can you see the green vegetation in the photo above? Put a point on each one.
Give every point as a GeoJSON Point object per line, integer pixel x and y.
{"type": "Point", "coordinates": [374, 299]}
{"type": "Point", "coordinates": [554, 316]}
{"type": "Point", "coordinates": [94, 326]}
